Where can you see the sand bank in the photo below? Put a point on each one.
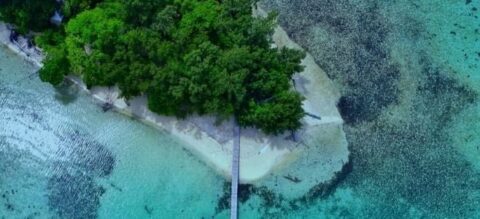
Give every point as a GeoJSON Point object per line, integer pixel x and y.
{"type": "Point", "coordinates": [261, 155]}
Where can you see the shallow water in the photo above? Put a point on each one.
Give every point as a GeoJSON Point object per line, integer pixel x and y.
{"type": "Point", "coordinates": [409, 74]}
{"type": "Point", "coordinates": [61, 156]}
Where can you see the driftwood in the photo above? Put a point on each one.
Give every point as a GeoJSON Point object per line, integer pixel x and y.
{"type": "Point", "coordinates": [107, 106]}
{"type": "Point", "coordinates": [292, 179]}
{"type": "Point", "coordinates": [313, 116]}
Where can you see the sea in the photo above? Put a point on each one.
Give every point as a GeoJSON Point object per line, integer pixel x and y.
{"type": "Point", "coordinates": [409, 76]}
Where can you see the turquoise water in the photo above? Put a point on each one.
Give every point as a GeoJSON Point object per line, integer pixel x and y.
{"type": "Point", "coordinates": [61, 156]}
{"type": "Point", "coordinates": [408, 70]}
{"type": "Point", "coordinates": [409, 75]}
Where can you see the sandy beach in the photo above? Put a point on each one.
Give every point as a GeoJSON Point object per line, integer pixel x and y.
{"type": "Point", "coordinates": [33, 55]}
{"type": "Point", "coordinates": [261, 155]}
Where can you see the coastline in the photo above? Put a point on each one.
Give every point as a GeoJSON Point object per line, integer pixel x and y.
{"type": "Point", "coordinates": [32, 55]}
{"type": "Point", "coordinates": [261, 155]}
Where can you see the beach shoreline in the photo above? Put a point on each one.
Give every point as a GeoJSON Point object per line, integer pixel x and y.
{"type": "Point", "coordinates": [261, 155]}
{"type": "Point", "coordinates": [33, 54]}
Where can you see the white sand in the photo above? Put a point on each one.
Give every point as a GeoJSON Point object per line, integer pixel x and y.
{"type": "Point", "coordinates": [260, 154]}
{"type": "Point", "coordinates": [32, 55]}
{"type": "Point", "coordinates": [323, 150]}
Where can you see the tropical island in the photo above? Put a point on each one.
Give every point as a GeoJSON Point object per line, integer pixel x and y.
{"type": "Point", "coordinates": [169, 109]}
{"type": "Point", "coordinates": [201, 57]}
{"type": "Point", "coordinates": [196, 69]}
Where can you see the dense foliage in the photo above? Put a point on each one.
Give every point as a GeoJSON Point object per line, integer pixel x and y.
{"type": "Point", "coordinates": [187, 56]}
{"type": "Point", "coordinates": [27, 14]}
{"type": "Point", "coordinates": [34, 15]}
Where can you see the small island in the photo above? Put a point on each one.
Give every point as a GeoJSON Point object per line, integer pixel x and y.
{"type": "Point", "coordinates": [239, 109]}
{"type": "Point", "coordinates": [187, 57]}
{"type": "Point", "coordinates": [197, 69]}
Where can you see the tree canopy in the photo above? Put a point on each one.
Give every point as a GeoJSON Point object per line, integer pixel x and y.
{"type": "Point", "coordinates": [187, 56]}
{"type": "Point", "coordinates": [27, 14]}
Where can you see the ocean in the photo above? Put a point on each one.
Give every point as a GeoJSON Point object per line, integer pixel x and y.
{"type": "Point", "coordinates": [409, 76]}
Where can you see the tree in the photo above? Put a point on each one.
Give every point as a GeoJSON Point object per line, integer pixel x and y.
{"type": "Point", "coordinates": [283, 112]}
{"type": "Point", "coordinates": [71, 8]}
{"type": "Point", "coordinates": [187, 56]}
{"type": "Point", "coordinates": [140, 51]}
{"type": "Point", "coordinates": [56, 65]}
{"type": "Point", "coordinates": [142, 12]}
{"type": "Point", "coordinates": [27, 14]}
{"type": "Point", "coordinates": [165, 20]}
{"type": "Point", "coordinates": [91, 39]}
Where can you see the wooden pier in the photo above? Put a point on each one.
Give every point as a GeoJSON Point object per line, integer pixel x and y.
{"type": "Point", "coordinates": [235, 173]}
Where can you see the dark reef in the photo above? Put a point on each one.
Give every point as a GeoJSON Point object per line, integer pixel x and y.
{"type": "Point", "coordinates": [350, 48]}
{"type": "Point", "coordinates": [271, 200]}
{"type": "Point", "coordinates": [244, 193]}
{"type": "Point", "coordinates": [70, 174]}
{"type": "Point", "coordinates": [398, 160]}
{"type": "Point", "coordinates": [73, 192]}
{"type": "Point", "coordinates": [74, 195]}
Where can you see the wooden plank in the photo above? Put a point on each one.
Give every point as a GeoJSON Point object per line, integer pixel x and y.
{"type": "Point", "coordinates": [235, 173]}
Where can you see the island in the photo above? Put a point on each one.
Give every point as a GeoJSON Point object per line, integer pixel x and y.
{"type": "Point", "coordinates": [239, 109]}
{"type": "Point", "coordinates": [196, 69]}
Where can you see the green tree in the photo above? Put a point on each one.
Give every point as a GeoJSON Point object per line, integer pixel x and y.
{"type": "Point", "coordinates": [282, 112]}
{"type": "Point", "coordinates": [165, 20]}
{"type": "Point", "coordinates": [91, 43]}
{"type": "Point", "coordinates": [71, 8]}
{"type": "Point", "coordinates": [187, 56]}
{"type": "Point", "coordinates": [142, 12]}
{"type": "Point", "coordinates": [140, 52]}
{"type": "Point", "coordinates": [56, 65]}
{"type": "Point", "coordinates": [27, 14]}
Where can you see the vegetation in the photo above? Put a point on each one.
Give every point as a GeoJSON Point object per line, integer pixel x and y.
{"type": "Point", "coordinates": [27, 14]}
{"type": "Point", "coordinates": [187, 56]}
